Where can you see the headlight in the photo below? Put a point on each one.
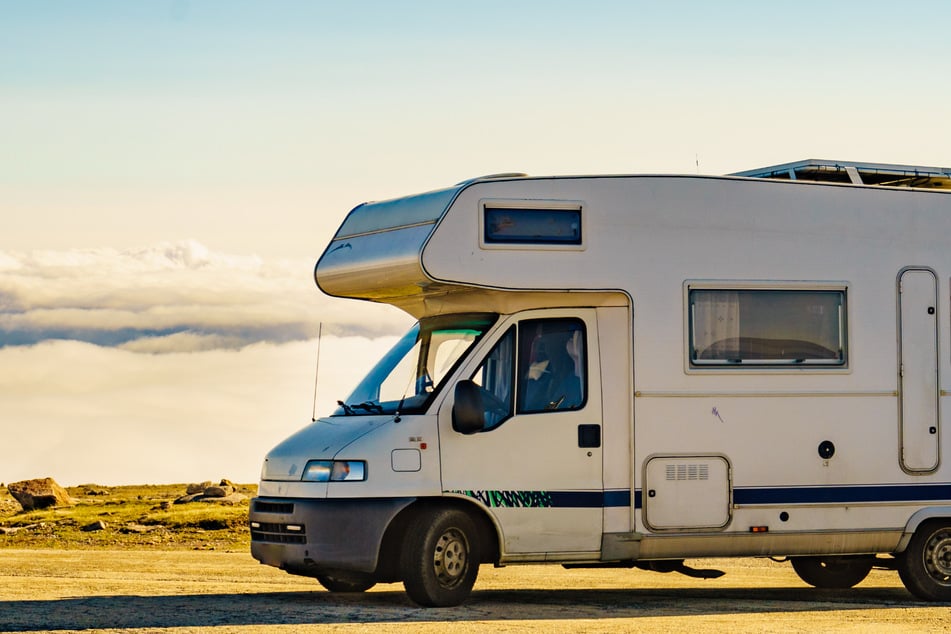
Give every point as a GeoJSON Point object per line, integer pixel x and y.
{"type": "Point", "coordinates": [334, 471]}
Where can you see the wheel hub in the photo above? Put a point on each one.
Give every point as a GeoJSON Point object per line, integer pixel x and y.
{"type": "Point", "coordinates": [451, 558]}
{"type": "Point", "coordinates": [938, 556]}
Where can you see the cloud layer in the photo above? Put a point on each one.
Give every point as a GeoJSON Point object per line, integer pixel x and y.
{"type": "Point", "coordinates": [170, 363]}
{"type": "Point", "coordinates": [171, 298]}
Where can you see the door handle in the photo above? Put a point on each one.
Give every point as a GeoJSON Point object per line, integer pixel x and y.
{"type": "Point", "coordinates": [589, 436]}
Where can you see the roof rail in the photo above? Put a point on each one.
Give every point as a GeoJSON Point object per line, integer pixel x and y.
{"type": "Point", "coordinates": [857, 173]}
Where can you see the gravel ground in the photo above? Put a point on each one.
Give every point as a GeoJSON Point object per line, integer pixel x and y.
{"type": "Point", "coordinates": [201, 591]}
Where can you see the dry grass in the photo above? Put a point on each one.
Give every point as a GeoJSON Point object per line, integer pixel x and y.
{"type": "Point", "coordinates": [134, 517]}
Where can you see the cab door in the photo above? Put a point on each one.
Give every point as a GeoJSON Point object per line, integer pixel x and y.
{"type": "Point", "coordinates": [536, 464]}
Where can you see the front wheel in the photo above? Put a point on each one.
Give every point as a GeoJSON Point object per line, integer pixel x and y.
{"type": "Point", "coordinates": [440, 559]}
{"type": "Point", "coordinates": [925, 566]}
{"type": "Point", "coordinates": [833, 572]}
{"type": "Point", "coordinates": [346, 583]}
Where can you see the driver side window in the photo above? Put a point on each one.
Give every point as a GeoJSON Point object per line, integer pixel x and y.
{"type": "Point", "coordinates": [551, 360]}
{"type": "Point", "coordinates": [494, 376]}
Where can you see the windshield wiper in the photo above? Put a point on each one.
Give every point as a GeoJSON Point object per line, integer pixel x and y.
{"type": "Point", "coordinates": [368, 406]}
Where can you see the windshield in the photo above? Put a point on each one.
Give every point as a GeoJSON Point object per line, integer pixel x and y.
{"type": "Point", "coordinates": [412, 372]}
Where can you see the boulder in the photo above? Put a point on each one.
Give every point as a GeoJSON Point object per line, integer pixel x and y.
{"type": "Point", "coordinates": [231, 498]}
{"type": "Point", "coordinates": [197, 488]}
{"type": "Point", "coordinates": [191, 497]}
{"type": "Point", "coordinates": [227, 500]}
{"type": "Point", "coordinates": [218, 491]}
{"type": "Point", "coordinates": [225, 492]}
{"type": "Point", "coordinates": [39, 493]}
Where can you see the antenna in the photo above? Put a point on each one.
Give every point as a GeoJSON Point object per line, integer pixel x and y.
{"type": "Point", "coordinates": [320, 327]}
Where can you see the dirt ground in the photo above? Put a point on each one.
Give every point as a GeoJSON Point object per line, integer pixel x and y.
{"type": "Point", "coordinates": [185, 592]}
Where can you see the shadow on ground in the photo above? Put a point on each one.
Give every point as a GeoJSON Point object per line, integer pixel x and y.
{"type": "Point", "coordinates": [318, 607]}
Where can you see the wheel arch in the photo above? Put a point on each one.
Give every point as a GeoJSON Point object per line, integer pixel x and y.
{"type": "Point", "coordinates": [489, 533]}
{"type": "Point", "coordinates": [919, 518]}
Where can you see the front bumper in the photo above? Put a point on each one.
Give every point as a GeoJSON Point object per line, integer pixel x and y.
{"type": "Point", "coordinates": [308, 537]}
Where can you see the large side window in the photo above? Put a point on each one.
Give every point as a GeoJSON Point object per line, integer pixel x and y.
{"type": "Point", "coordinates": [767, 327]}
{"type": "Point", "coordinates": [540, 366]}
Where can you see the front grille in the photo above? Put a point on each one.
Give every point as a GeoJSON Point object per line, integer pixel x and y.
{"type": "Point", "coordinates": [260, 506]}
{"type": "Point", "coordinates": [278, 533]}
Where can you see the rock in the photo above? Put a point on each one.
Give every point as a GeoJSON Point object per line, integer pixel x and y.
{"type": "Point", "coordinates": [218, 491]}
{"type": "Point", "coordinates": [231, 499]}
{"type": "Point", "coordinates": [197, 488]}
{"type": "Point", "coordinates": [98, 525]}
{"type": "Point", "coordinates": [191, 497]}
{"type": "Point", "coordinates": [40, 493]}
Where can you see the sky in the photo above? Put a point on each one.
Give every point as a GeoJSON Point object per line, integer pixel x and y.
{"type": "Point", "coordinates": [170, 171]}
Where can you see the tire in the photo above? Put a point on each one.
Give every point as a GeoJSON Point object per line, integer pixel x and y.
{"type": "Point", "coordinates": [440, 558]}
{"type": "Point", "coordinates": [354, 582]}
{"type": "Point", "coordinates": [925, 566]}
{"type": "Point", "coordinates": [833, 572]}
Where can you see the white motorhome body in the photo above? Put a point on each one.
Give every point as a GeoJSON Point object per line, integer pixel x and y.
{"type": "Point", "coordinates": [757, 365]}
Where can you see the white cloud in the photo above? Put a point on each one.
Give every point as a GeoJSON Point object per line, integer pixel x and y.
{"type": "Point", "coordinates": [171, 297]}
{"type": "Point", "coordinates": [170, 363]}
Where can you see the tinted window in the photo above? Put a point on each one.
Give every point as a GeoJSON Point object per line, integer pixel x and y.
{"type": "Point", "coordinates": [551, 361]}
{"type": "Point", "coordinates": [538, 367]}
{"type": "Point", "coordinates": [532, 226]}
{"type": "Point", "coordinates": [764, 327]}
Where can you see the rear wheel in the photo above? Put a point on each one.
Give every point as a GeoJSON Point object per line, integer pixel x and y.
{"type": "Point", "coordinates": [833, 572]}
{"type": "Point", "coordinates": [925, 566]}
{"type": "Point", "coordinates": [440, 558]}
{"type": "Point", "coordinates": [351, 582]}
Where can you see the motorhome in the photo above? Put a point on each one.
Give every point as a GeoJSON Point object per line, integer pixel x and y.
{"type": "Point", "coordinates": [632, 371]}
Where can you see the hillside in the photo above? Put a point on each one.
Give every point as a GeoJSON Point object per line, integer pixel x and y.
{"type": "Point", "coordinates": [128, 517]}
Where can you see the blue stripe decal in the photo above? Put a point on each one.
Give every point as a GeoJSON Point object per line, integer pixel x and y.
{"type": "Point", "coordinates": [843, 494]}
{"type": "Point", "coordinates": [619, 498]}
{"type": "Point", "coordinates": [577, 499]}
{"type": "Point", "coordinates": [550, 499]}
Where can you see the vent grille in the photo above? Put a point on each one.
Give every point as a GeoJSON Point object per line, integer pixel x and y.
{"type": "Point", "coordinates": [261, 506]}
{"type": "Point", "coordinates": [279, 533]}
{"type": "Point", "coordinates": [685, 471]}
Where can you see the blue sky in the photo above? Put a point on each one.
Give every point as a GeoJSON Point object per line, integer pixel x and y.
{"type": "Point", "coordinates": [170, 170]}
{"type": "Point", "coordinates": [230, 121]}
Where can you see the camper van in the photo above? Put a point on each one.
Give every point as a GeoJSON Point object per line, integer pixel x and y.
{"type": "Point", "coordinates": [633, 371]}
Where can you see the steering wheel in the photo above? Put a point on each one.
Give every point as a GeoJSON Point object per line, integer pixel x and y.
{"type": "Point", "coordinates": [493, 403]}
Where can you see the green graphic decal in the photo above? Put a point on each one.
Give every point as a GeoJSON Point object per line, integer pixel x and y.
{"type": "Point", "coordinates": [511, 499]}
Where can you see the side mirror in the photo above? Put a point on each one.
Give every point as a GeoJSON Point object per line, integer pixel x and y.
{"type": "Point", "coordinates": [468, 413]}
